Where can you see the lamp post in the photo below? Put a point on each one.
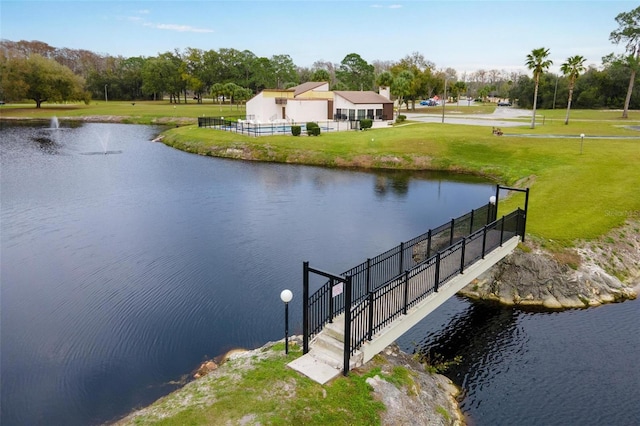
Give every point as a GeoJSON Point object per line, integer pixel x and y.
{"type": "Point", "coordinates": [494, 208]}
{"type": "Point", "coordinates": [286, 297]}
{"type": "Point", "coordinates": [105, 93]}
{"type": "Point", "coordinates": [444, 98]}
{"type": "Point", "coordinates": [581, 142]}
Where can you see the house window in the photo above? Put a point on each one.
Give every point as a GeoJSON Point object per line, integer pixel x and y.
{"type": "Point", "coordinates": [379, 114]}
{"type": "Point", "coordinates": [352, 114]}
{"type": "Point", "coordinates": [341, 114]}
{"type": "Point", "coordinates": [361, 114]}
{"type": "Point", "coordinates": [370, 114]}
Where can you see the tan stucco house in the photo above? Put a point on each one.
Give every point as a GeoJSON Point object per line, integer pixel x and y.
{"type": "Point", "coordinates": [313, 101]}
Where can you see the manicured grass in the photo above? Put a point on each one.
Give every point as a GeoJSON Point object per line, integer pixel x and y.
{"type": "Point", "coordinates": [143, 112]}
{"type": "Point", "coordinates": [270, 393]}
{"type": "Point", "coordinates": [573, 195]}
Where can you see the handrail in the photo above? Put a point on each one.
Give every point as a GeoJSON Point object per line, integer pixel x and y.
{"type": "Point", "coordinates": [384, 287]}
{"type": "Point", "coordinates": [444, 265]}
{"type": "Point", "coordinates": [380, 269]}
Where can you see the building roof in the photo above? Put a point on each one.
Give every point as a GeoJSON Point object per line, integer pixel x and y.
{"type": "Point", "coordinates": [357, 97]}
{"type": "Point", "coordinates": [305, 87]}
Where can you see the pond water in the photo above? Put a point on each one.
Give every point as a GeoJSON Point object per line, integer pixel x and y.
{"type": "Point", "coordinates": [121, 272]}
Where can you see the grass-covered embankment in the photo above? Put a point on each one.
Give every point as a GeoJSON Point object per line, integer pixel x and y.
{"type": "Point", "coordinates": [574, 194]}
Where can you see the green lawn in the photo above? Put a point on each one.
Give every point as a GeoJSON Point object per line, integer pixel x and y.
{"type": "Point", "coordinates": [137, 112]}
{"type": "Point", "coordinates": [574, 195]}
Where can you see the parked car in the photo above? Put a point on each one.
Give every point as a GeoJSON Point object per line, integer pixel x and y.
{"type": "Point", "coordinates": [504, 103]}
{"type": "Point", "coordinates": [429, 102]}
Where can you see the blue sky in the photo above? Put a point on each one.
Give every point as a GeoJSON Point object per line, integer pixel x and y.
{"type": "Point", "coordinates": [465, 35]}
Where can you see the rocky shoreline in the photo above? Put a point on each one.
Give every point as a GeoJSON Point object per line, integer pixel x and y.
{"type": "Point", "coordinates": [602, 271]}
{"type": "Point", "coordinates": [424, 399]}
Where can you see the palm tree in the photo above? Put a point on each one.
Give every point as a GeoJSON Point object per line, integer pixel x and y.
{"type": "Point", "coordinates": [572, 69]}
{"type": "Point", "coordinates": [537, 62]}
{"type": "Point", "coordinates": [629, 31]}
{"type": "Point", "coordinates": [401, 87]}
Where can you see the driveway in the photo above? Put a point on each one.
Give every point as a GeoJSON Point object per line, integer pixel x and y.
{"type": "Point", "coordinates": [497, 119]}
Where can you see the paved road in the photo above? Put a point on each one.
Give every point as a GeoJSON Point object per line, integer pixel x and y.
{"type": "Point", "coordinates": [497, 119]}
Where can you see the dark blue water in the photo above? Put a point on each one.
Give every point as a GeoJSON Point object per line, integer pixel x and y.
{"type": "Point", "coordinates": [120, 273]}
{"type": "Point", "coordinates": [577, 367]}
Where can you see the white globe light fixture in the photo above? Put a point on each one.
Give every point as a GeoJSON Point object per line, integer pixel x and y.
{"type": "Point", "coordinates": [286, 296]}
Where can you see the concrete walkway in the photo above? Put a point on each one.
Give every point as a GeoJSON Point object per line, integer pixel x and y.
{"type": "Point", "coordinates": [501, 117]}
{"type": "Point", "coordinates": [325, 358]}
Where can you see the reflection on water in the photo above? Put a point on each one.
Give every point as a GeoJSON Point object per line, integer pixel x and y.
{"type": "Point", "coordinates": [121, 273]}
{"type": "Point", "coordinates": [514, 367]}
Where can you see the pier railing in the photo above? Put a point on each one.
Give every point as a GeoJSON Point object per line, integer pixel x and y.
{"type": "Point", "coordinates": [384, 287]}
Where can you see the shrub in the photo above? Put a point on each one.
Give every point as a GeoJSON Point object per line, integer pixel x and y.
{"type": "Point", "coordinates": [313, 129]}
{"type": "Point", "coordinates": [366, 123]}
{"type": "Point", "coordinates": [401, 118]}
{"type": "Point", "coordinates": [296, 130]}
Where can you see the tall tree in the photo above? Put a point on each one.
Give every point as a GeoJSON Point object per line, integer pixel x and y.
{"type": "Point", "coordinates": [355, 73]}
{"type": "Point", "coordinates": [629, 32]}
{"type": "Point", "coordinates": [458, 88]}
{"type": "Point", "coordinates": [401, 86]}
{"type": "Point", "coordinates": [284, 70]}
{"type": "Point", "coordinates": [321, 75]}
{"type": "Point", "coordinates": [572, 69]}
{"type": "Point", "coordinates": [537, 62]}
{"type": "Point", "coordinates": [42, 80]}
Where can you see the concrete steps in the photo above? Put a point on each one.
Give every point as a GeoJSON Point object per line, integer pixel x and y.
{"type": "Point", "coordinates": [326, 354]}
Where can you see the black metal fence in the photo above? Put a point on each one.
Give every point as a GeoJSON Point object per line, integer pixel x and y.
{"type": "Point", "coordinates": [376, 271]}
{"type": "Point", "coordinates": [399, 294]}
{"type": "Point", "coordinates": [247, 127]}
{"type": "Point", "coordinates": [384, 287]}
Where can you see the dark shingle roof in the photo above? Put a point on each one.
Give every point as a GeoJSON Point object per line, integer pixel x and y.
{"type": "Point", "coordinates": [367, 97]}
{"type": "Point", "coordinates": [305, 87]}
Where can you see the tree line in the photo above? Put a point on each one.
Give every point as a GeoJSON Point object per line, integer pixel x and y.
{"type": "Point", "coordinates": [40, 72]}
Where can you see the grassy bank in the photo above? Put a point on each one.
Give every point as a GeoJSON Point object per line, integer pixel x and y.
{"type": "Point", "coordinates": [580, 189]}
{"type": "Point", "coordinates": [576, 192]}
{"type": "Point", "coordinates": [138, 112]}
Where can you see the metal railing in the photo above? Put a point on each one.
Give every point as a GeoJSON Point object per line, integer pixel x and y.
{"type": "Point", "coordinates": [376, 271]}
{"type": "Point", "coordinates": [399, 294]}
{"type": "Point", "coordinates": [274, 127]}
{"type": "Point", "coordinates": [384, 287]}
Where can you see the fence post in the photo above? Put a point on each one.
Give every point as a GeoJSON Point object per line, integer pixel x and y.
{"type": "Point", "coordinates": [331, 284]}
{"type": "Point", "coordinates": [453, 223]}
{"type": "Point", "coordinates": [305, 307]}
{"type": "Point", "coordinates": [501, 230]}
{"type": "Point", "coordinates": [484, 239]}
{"type": "Point", "coordinates": [464, 241]}
{"type": "Point", "coordinates": [401, 257]}
{"type": "Point", "coordinates": [368, 282]}
{"type": "Point", "coordinates": [471, 224]}
{"type": "Point", "coordinates": [526, 207]}
{"type": "Point", "coordinates": [495, 212]}
{"type": "Point", "coordinates": [428, 244]}
{"type": "Point", "coordinates": [370, 332]}
{"type": "Point", "coordinates": [437, 271]}
{"type": "Point", "coordinates": [347, 324]}
{"type": "Point", "coordinates": [406, 292]}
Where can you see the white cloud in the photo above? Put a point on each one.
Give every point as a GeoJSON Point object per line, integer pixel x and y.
{"type": "Point", "coordinates": [395, 6]}
{"type": "Point", "coordinates": [178, 28]}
